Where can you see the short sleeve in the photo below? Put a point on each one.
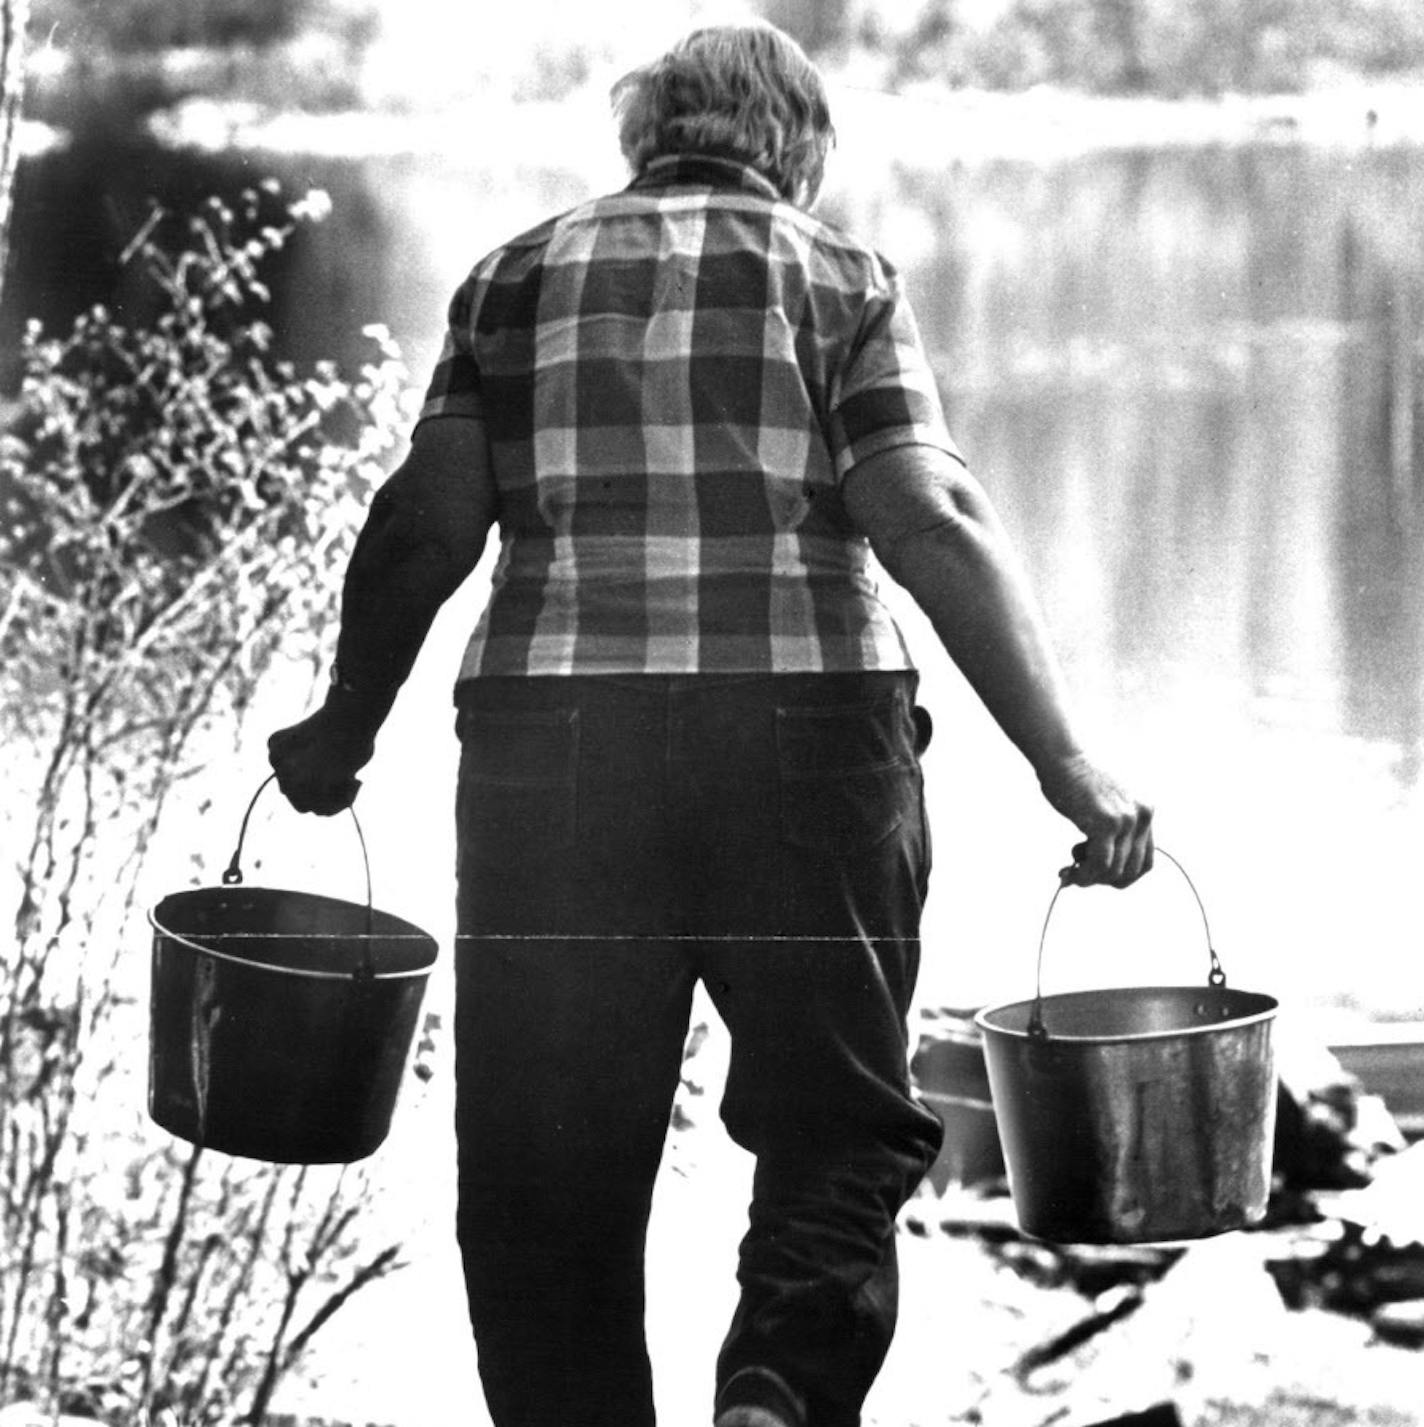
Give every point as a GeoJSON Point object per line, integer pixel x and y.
{"type": "Point", "coordinates": [885, 394]}
{"type": "Point", "coordinates": [454, 388]}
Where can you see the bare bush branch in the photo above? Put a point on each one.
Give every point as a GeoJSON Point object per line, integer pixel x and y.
{"type": "Point", "coordinates": [179, 503]}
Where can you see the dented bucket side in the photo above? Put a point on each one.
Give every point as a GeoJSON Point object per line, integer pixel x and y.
{"type": "Point", "coordinates": [1137, 1139]}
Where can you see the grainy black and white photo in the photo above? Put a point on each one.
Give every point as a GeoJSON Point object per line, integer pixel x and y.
{"type": "Point", "coordinates": [713, 713]}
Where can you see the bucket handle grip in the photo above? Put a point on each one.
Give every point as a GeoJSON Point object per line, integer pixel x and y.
{"type": "Point", "coordinates": [232, 874]}
{"type": "Point", "coordinates": [1216, 977]}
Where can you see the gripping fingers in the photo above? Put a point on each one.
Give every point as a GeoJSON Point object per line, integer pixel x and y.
{"type": "Point", "coordinates": [330, 800]}
{"type": "Point", "coordinates": [325, 797]}
{"type": "Point", "coordinates": [1140, 858]}
{"type": "Point", "coordinates": [1092, 863]}
{"type": "Point", "coordinates": [1113, 858]}
{"type": "Point", "coordinates": [314, 768]}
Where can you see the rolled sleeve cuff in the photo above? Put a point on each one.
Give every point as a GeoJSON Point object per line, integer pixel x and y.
{"type": "Point", "coordinates": [455, 384]}
{"type": "Point", "coordinates": [468, 407]}
{"type": "Point", "coordinates": [932, 435]}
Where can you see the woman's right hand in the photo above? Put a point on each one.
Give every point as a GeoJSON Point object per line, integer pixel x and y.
{"type": "Point", "coordinates": [1118, 846]}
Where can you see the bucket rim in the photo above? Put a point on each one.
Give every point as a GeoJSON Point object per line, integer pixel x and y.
{"type": "Point", "coordinates": [304, 973]}
{"type": "Point", "coordinates": [1264, 1012]}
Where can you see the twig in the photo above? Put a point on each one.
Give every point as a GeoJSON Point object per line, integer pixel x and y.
{"type": "Point", "coordinates": [257, 1242]}
{"type": "Point", "coordinates": [1063, 1343]}
{"type": "Point", "coordinates": [383, 1264]}
{"type": "Point", "coordinates": [167, 1273]}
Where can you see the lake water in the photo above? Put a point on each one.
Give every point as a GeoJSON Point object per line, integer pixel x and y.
{"type": "Point", "coordinates": [1191, 378]}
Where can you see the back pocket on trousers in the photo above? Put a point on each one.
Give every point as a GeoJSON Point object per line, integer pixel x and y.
{"type": "Point", "coordinates": [519, 775]}
{"type": "Point", "coordinates": [848, 776]}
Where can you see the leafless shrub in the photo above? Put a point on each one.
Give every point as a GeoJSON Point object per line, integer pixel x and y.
{"type": "Point", "coordinates": [176, 504]}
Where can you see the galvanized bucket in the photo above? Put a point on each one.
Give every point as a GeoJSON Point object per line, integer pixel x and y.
{"type": "Point", "coordinates": [1138, 1115]}
{"type": "Point", "coordinates": [280, 1021]}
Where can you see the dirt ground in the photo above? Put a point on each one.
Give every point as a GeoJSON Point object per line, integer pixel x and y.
{"type": "Point", "coordinates": [1213, 1336]}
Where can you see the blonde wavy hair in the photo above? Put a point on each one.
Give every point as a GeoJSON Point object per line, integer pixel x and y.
{"type": "Point", "coordinates": [744, 91]}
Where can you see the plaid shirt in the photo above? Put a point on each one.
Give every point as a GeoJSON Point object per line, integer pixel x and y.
{"type": "Point", "coordinates": [674, 380]}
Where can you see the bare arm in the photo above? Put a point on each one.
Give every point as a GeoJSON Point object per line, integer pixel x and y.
{"type": "Point", "coordinates": [424, 534]}
{"type": "Point", "coordinates": [936, 532]}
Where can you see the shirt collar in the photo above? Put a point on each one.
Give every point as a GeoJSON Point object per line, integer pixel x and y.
{"type": "Point", "coordinates": [714, 170]}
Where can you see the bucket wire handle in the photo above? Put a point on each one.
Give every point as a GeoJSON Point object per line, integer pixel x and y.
{"type": "Point", "coordinates": [1216, 977]}
{"type": "Point", "coordinates": [232, 874]}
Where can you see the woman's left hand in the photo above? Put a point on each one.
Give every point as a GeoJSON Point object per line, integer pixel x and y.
{"type": "Point", "coordinates": [316, 762]}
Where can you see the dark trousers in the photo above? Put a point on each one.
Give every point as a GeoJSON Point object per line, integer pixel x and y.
{"type": "Point", "coordinates": [620, 840]}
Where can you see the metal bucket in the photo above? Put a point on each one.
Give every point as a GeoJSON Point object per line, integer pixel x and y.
{"type": "Point", "coordinates": [952, 1080]}
{"type": "Point", "coordinates": [1135, 1116]}
{"type": "Point", "coordinates": [280, 1021]}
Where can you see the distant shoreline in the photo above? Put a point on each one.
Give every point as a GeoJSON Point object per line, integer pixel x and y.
{"type": "Point", "coordinates": [926, 126]}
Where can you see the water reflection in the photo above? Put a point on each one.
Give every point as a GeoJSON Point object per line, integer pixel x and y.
{"type": "Point", "coordinates": [1191, 379]}
{"type": "Point", "coordinates": [1206, 365]}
